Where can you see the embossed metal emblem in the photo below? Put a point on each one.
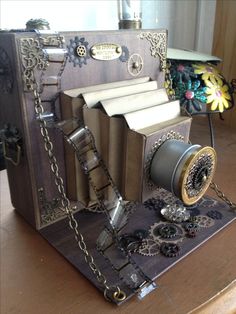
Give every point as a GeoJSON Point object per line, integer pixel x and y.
{"type": "Point", "coordinates": [106, 51]}
{"type": "Point", "coordinates": [135, 64]}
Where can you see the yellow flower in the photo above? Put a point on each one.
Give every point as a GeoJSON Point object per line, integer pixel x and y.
{"type": "Point", "coordinates": [218, 94]}
{"type": "Point", "coordinates": [207, 70]}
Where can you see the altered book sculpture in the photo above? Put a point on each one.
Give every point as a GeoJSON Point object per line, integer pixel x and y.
{"type": "Point", "coordinates": [110, 179]}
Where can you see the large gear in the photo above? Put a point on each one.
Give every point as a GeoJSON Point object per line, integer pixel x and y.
{"type": "Point", "coordinates": [170, 249]}
{"type": "Point", "coordinates": [164, 231]}
{"type": "Point", "coordinates": [78, 51]}
{"type": "Point", "coordinates": [149, 247]}
{"type": "Point", "coordinates": [167, 231]}
{"type": "Point", "coordinates": [204, 221]}
{"type": "Point", "coordinates": [215, 214]}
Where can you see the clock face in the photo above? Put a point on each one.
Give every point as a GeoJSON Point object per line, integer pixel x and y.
{"type": "Point", "coordinates": [6, 74]}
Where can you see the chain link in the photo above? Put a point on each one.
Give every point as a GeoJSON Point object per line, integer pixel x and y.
{"type": "Point", "coordinates": [222, 196]}
{"type": "Point", "coordinates": [65, 201]}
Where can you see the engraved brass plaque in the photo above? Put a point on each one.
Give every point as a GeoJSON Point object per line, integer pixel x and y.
{"type": "Point", "coordinates": [106, 51]}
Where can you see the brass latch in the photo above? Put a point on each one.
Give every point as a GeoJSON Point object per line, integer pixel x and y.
{"type": "Point", "coordinates": [11, 144]}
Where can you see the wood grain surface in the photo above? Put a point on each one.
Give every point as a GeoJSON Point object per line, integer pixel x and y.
{"type": "Point", "coordinates": [224, 46]}
{"type": "Point", "coordinates": [36, 279]}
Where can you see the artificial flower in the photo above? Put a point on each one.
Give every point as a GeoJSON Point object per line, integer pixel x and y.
{"type": "Point", "coordinates": [218, 94]}
{"type": "Point", "coordinates": [182, 72]}
{"type": "Point", "coordinates": [207, 70]}
{"type": "Point", "coordinates": [191, 95]}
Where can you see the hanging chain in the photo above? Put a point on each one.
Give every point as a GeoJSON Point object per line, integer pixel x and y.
{"type": "Point", "coordinates": [222, 196]}
{"type": "Point", "coordinates": [117, 293]}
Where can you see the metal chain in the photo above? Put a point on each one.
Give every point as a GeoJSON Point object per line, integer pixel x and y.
{"type": "Point", "coordinates": [66, 203]}
{"type": "Point", "coordinates": [82, 141]}
{"type": "Point", "coordinates": [222, 196]}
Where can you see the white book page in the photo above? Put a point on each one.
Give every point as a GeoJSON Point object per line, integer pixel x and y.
{"type": "Point", "coordinates": [146, 117]}
{"type": "Point", "coordinates": [92, 99]}
{"type": "Point", "coordinates": [125, 104]}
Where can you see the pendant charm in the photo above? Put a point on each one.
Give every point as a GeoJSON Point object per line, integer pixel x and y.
{"type": "Point", "coordinates": [175, 213]}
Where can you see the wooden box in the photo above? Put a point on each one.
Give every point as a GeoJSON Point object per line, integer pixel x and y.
{"type": "Point", "coordinates": [52, 62]}
{"type": "Point", "coordinates": [34, 68]}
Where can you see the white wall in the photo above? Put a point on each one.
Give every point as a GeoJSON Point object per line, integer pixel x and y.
{"type": "Point", "coordinates": [61, 15]}
{"type": "Point", "coordinates": [190, 23]}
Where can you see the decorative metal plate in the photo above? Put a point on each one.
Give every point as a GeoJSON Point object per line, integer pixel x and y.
{"type": "Point", "coordinates": [106, 51]}
{"type": "Point", "coordinates": [135, 64]}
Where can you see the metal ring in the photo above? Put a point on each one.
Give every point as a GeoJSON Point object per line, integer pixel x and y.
{"type": "Point", "coordinates": [119, 296]}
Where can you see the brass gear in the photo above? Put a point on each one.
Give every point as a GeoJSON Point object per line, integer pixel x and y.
{"type": "Point", "coordinates": [149, 247]}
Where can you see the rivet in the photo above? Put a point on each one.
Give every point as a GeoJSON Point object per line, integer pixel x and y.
{"type": "Point", "coordinates": [135, 65]}
{"type": "Point", "coordinates": [118, 50]}
{"type": "Point", "coordinates": [93, 52]}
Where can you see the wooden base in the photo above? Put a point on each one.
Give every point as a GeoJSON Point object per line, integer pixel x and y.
{"type": "Point", "coordinates": [91, 225]}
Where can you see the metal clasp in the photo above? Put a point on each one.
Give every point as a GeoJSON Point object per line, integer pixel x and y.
{"type": "Point", "coordinates": [11, 144]}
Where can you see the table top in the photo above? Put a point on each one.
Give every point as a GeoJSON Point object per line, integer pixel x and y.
{"type": "Point", "coordinates": [35, 278]}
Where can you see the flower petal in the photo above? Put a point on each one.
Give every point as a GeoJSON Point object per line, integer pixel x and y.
{"type": "Point", "coordinates": [225, 103]}
{"type": "Point", "coordinates": [214, 104]}
{"type": "Point", "coordinates": [221, 106]}
{"type": "Point", "coordinates": [206, 76]}
{"type": "Point", "coordinates": [209, 83]}
{"type": "Point", "coordinates": [225, 88]}
{"type": "Point", "coordinates": [211, 98]}
{"type": "Point", "coordinates": [226, 95]}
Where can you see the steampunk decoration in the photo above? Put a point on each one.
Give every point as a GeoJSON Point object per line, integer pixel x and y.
{"type": "Point", "coordinates": [78, 51]}
{"type": "Point", "coordinates": [196, 81]}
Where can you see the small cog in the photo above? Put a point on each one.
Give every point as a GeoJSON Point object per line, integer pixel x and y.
{"type": "Point", "coordinates": [191, 226]}
{"type": "Point", "coordinates": [191, 233]}
{"type": "Point", "coordinates": [170, 249]}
